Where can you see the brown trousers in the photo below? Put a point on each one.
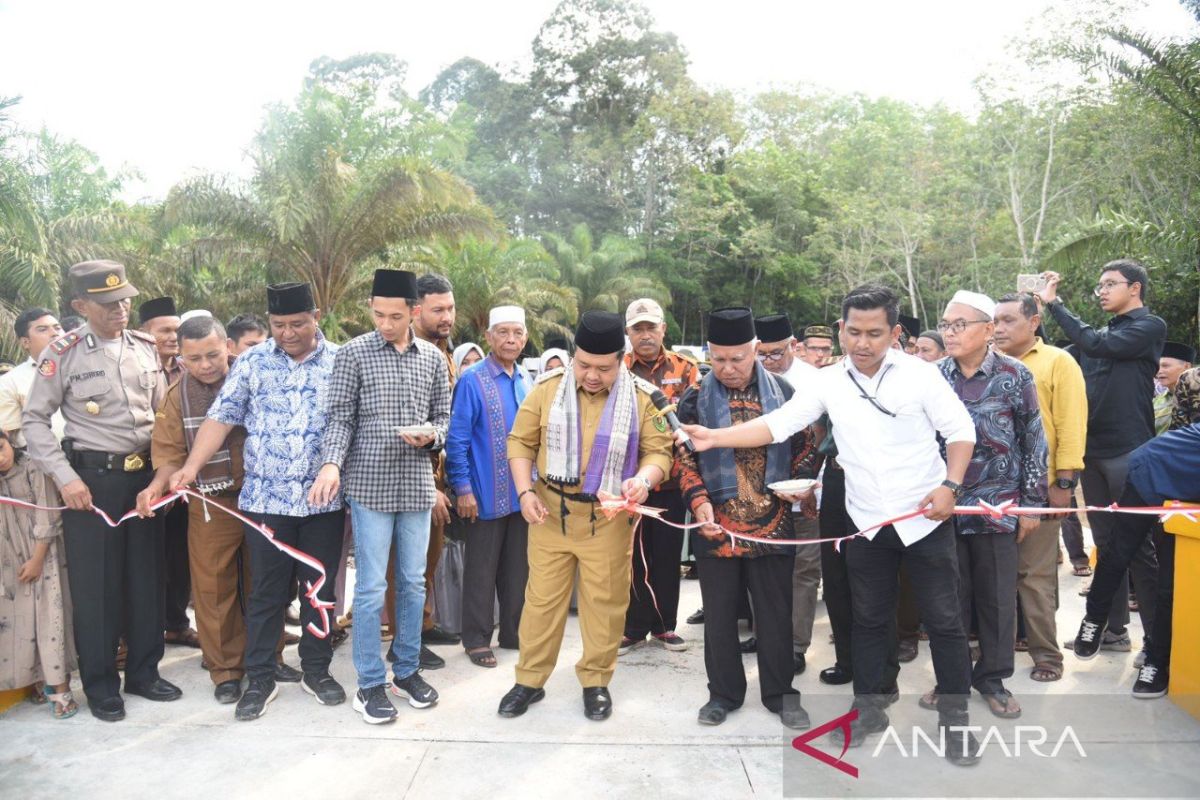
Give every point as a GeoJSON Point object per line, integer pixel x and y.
{"type": "Point", "coordinates": [218, 574]}
{"type": "Point", "coordinates": [1037, 586]}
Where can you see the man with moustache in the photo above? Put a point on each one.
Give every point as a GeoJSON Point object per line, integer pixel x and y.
{"type": "Point", "coordinates": [433, 321]}
{"type": "Point", "coordinates": [654, 591]}
{"type": "Point", "coordinates": [105, 379]}
{"type": "Point", "coordinates": [277, 392]}
{"type": "Point", "coordinates": [159, 318]}
{"type": "Point", "coordinates": [818, 345]}
{"type": "Point", "coordinates": [589, 429]}
{"type": "Point", "coordinates": [219, 556]}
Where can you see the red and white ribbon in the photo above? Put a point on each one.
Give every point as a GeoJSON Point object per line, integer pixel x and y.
{"type": "Point", "coordinates": [611, 505]}
{"type": "Point", "coordinates": [324, 608]}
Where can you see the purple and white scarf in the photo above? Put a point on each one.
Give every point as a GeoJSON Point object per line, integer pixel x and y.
{"type": "Point", "coordinates": [614, 455]}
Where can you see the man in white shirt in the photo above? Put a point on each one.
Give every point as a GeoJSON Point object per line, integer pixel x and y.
{"type": "Point", "coordinates": [886, 408]}
{"type": "Point", "coordinates": [36, 328]}
{"type": "Point", "coordinates": [775, 351]}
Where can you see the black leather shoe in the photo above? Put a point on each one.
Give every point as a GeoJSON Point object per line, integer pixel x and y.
{"type": "Point", "coordinates": [436, 635]}
{"type": "Point", "coordinates": [891, 695]}
{"type": "Point", "coordinates": [228, 692]}
{"type": "Point", "coordinates": [749, 645]}
{"type": "Point", "coordinates": [110, 709]}
{"type": "Point", "coordinates": [160, 691]}
{"type": "Point", "coordinates": [519, 699]}
{"type": "Point", "coordinates": [597, 703]}
{"type": "Point", "coordinates": [712, 713]}
{"type": "Point", "coordinates": [962, 748]}
{"type": "Point", "coordinates": [798, 663]}
{"type": "Point", "coordinates": [837, 675]}
{"type": "Point", "coordinates": [429, 659]}
{"type": "Point", "coordinates": [870, 720]}
{"type": "Point", "coordinates": [697, 617]}
{"type": "Point", "coordinates": [795, 717]}
{"type": "Point", "coordinates": [286, 674]}
{"type": "Point", "coordinates": [908, 650]}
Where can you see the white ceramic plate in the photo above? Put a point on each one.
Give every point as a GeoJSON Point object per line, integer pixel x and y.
{"type": "Point", "coordinates": [414, 430]}
{"type": "Point", "coordinates": [792, 487]}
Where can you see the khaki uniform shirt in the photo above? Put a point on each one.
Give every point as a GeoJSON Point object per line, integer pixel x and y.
{"type": "Point", "coordinates": [107, 395]}
{"type": "Point", "coordinates": [528, 436]}
{"type": "Point", "coordinates": [14, 393]}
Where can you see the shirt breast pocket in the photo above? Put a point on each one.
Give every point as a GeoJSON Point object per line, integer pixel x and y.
{"type": "Point", "coordinates": [89, 388]}
{"type": "Point", "coordinates": [147, 379]}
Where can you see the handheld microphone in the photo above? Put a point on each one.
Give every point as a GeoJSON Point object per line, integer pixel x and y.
{"type": "Point", "coordinates": [661, 402]}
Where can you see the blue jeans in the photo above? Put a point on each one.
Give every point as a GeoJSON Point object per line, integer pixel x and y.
{"type": "Point", "coordinates": [375, 533]}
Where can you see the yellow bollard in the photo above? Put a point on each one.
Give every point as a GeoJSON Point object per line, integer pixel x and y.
{"type": "Point", "coordinates": [1185, 629]}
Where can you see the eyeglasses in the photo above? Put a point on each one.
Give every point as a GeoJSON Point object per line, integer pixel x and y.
{"type": "Point", "coordinates": [826, 350]}
{"type": "Point", "coordinates": [872, 400]}
{"type": "Point", "coordinates": [775, 355]}
{"type": "Point", "coordinates": [959, 325]}
{"type": "Point", "coordinates": [1107, 286]}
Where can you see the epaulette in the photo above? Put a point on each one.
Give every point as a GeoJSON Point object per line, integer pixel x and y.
{"type": "Point", "coordinates": [548, 374]}
{"type": "Point", "coordinates": [644, 385]}
{"type": "Point", "coordinates": [145, 337]}
{"type": "Point", "coordinates": [829, 361]}
{"type": "Point", "coordinates": [62, 345]}
{"type": "Point", "coordinates": [687, 357]}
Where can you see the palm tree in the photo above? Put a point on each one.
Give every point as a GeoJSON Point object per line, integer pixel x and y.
{"type": "Point", "coordinates": [326, 221]}
{"type": "Point", "coordinates": [517, 272]}
{"type": "Point", "coordinates": [604, 277]}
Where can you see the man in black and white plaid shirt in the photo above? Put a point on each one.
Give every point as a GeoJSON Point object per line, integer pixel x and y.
{"type": "Point", "coordinates": [382, 381]}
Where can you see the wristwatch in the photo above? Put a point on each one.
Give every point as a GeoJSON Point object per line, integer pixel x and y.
{"type": "Point", "coordinates": [1067, 483]}
{"type": "Point", "coordinates": [645, 481]}
{"type": "Point", "coordinates": [956, 488]}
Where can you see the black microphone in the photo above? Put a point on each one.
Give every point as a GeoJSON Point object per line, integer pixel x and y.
{"type": "Point", "coordinates": [661, 402]}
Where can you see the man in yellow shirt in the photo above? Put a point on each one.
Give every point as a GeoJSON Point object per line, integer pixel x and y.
{"type": "Point", "coordinates": [589, 429]}
{"type": "Point", "coordinates": [1062, 396]}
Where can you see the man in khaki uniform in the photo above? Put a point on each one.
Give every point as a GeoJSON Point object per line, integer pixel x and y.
{"type": "Point", "coordinates": [36, 328]}
{"type": "Point", "coordinates": [104, 379]}
{"type": "Point", "coordinates": [589, 431]}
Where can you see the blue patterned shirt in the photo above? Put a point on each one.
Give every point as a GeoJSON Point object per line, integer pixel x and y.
{"type": "Point", "coordinates": [1009, 461]}
{"type": "Point", "coordinates": [282, 405]}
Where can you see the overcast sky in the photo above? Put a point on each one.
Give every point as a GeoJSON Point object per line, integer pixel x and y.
{"type": "Point", "coordinates": [173, 88]}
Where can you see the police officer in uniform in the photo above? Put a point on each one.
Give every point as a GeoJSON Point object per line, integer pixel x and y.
{"type": "Point", "coordinates": [104, 379]}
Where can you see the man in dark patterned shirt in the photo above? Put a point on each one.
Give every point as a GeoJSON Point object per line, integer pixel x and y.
{"type": "Point", "coordinates": [1008, 464]}
{"type": "Point", "coordinates": [729, 488]}
{"type": "Point", "coordinates": [389, 404]}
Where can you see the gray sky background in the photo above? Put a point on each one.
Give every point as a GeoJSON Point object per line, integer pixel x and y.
{"type": "Point", "coordinates": [174, 88]}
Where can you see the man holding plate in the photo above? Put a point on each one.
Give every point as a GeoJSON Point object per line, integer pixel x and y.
{"type": "Point", "coordinates": [389, 405]}
{"type": "Point", "coordinates": [730, 488]}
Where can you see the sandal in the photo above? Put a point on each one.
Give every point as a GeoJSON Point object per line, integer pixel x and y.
{"type": "Point", "coordinates": [37, 694]}
{"type": "Point", "coordinates": [1082, 571]}
{"type": "Point", "coordinates": [1046, 672]}
{"type": "Point", "coordinates": [187, 638]}
{"type": "Point", "coordinates": [482, 657]}
{"type": "Point", "coordinates": [929, 700]}
{"type": "Point", "coordinates": [62, 704]}
{"type": "Point", "coordinates": [1003, 704]}
{"type": "Point", "coordinates": [1022, 646]}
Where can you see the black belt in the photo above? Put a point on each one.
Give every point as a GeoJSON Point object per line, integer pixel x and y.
{"type": "Point", "coordinates": [578, 497]}
{"type": "Point", "coordinates": [118, 462]}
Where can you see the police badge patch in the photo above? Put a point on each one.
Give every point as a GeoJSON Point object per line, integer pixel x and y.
{"type": "Point", "coordinates": [47, 368]}
{"type": "Point", "coordinates": [661, 424]}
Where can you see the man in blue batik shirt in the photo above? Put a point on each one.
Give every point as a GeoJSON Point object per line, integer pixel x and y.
{"type": "Point", "coordinates": [496, 564]}
{"type": "Point", "coordinates": [277, 392]}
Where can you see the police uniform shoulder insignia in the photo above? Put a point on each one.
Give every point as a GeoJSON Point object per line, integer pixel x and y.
{"type": "Point", "coordinates": [145, 337]}
{"type": "Point", "coordinates": [47, 367]}
{"type": "Point", "coordinates": [686, 357]}
{"type": "Point", "coordinates": [548, 374]}
{"type": "Point", "coordinates": [63, 344]}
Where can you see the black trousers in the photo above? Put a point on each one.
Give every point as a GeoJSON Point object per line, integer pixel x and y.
{"type": "Point", "coordinates": [987, 579]}
{"type": "Point", "coordinates": [933, 565]}
{"type": "Point", "coordinates": [659, 546]}
{"type": "Point", "coordinates": [320, 536]}
{"type": "Point", "coordinates": [835, 581]}
{"type": "Point", "coordinates": [116, 584]}
{"type": "Point", "coordinates": [1072, 536]}
{"type": "Point", "coordinates": [1103, 482]}
{"type": "Point", "coordinates": [178, 575]}
{"type": "Point", "coordinates": [769, 579]}
{"type": "Point", "coordinates": [1126, 545]}
{"type": "Point", "coordinates": [496, 565]}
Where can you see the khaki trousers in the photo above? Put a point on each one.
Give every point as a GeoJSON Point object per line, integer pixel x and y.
{"type": "Point", "coordinates": [1037, 586]}
{"type": "Point", "coordinates": [213, 549]}
{"type": "Point", "coordinates": [604, 560]}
